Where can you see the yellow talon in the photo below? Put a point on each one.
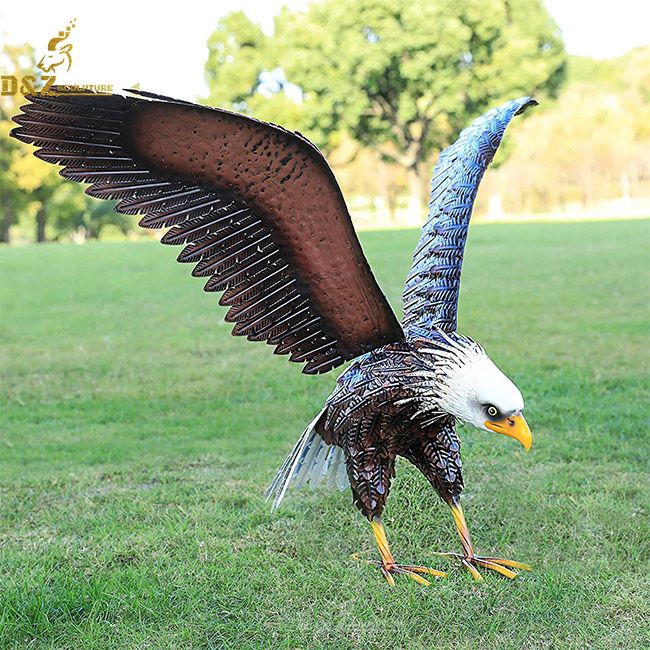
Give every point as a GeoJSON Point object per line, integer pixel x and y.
{"type": "Point", "coordinates": [496, 567]}
{"type": "Point", "coordinates": [419, 579]}
{"type": "Point", "coordinates": [389, 567]}
{"type": "Point", "coordinates": [473, 570]}
{"type": "Point", "coordinates": [512, 563]}
{"type": "Point", "coordinates": [470, 560]}
{"type": "Point", "coordinates": [425, 569]}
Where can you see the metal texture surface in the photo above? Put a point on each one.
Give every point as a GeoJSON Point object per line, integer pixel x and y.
{"type": "Point", "coordinates": [381, 409]}
{"type": "Point", "coordinates": [256, 206]}
{"type": "Point", "coordinates": [431, 293]}
{"type": "Point", "coordinates": [260, 214]}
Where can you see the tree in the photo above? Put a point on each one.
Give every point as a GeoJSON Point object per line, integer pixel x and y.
{"type": "Point", "coordinates": [27, 184]}
{"type": "Point", "coordinates": [82, 217]}
{"type": "Point", "coordinates": [241, 75]}
{"type": "Point", "coordinates": [14, 60]}
{"type": "Point", "coordinates": [593, 144]}
{"type": "Point", "coordinates": [400, 76]}
{"type": "Point", "coordinates": [31, 191]}
{"type": "Point", "coordinates": [36, 184]}
{"type": "Point", "coordinates": [11, 200]}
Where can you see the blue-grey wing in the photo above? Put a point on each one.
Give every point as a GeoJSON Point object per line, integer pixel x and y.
{"type": "Point", "coordinates": [431, 292]}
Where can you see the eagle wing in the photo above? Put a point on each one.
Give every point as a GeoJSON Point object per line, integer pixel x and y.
{"type": "Point", "coordinates": [431, 292]}
{"type": "Point", "coordinates": [256, 207]}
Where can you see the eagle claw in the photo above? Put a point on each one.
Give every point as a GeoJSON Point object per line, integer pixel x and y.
{"type": "Point", "coordinates": [500, 565]}
{"type": "Point", "coordinates": [411, 570]}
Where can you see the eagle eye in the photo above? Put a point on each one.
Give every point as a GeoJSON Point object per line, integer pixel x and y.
{"type": "Point", "coordinates": [492, 411]}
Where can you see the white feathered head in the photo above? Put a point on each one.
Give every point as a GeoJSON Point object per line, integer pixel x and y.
{"type": "Point", "coordinates": [469, 386]}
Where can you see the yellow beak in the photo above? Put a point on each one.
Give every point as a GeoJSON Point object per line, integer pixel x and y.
{"type": "Point", "coordinates": [515, 427]}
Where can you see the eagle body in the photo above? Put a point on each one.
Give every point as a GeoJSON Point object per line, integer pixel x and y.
{"type": "Point", "coordinates": [260, 216]}
{"type": "Point", "coordinates": [384, 406]}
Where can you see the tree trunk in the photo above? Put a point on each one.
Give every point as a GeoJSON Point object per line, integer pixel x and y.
{"type": "Point", "coordinates": [6, 222]}
{"type": "Point", "coordinates": [387, 192]}
{"type": "Point", "coordinates": [391, 204]}
{"type": "Point", "coordinates": [416, 206]}
{"type": "Point", "coordinates": [41, 219]}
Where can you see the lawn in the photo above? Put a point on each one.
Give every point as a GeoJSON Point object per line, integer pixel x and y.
{"type": "Point", "coordinates": [138, 437]}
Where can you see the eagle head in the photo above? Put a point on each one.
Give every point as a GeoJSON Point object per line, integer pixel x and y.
{"type": "Point", "coordinates": [470, 387]}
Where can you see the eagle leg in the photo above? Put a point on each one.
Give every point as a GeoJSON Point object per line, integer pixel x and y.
{"type": "Point", "coordinates": [470, 560]}
{"type": "Point", "coordinates": [389, 567]}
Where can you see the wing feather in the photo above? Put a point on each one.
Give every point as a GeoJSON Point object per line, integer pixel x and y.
{"type": "Point", "coordinates": [256, 208]}
{"type": "Point", "coordinates": [431, 292]}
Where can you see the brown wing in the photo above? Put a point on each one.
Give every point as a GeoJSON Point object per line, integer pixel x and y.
{"type": "Point", "coordinates": [257, 208]}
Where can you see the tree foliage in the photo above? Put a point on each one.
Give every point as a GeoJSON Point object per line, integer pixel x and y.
{"type": "Point", "coordinates": [592, 144]}
{"type": "Point", "coordinates": [17, 183]}
{"type": "Point", "coordinates": [241, 74]}
{"type": "Point", "coordinates": [400, 76]}
{"type": "Point", "coordinates": [32, 193]}
{"type": "Point", "coordinates": [381, 86]}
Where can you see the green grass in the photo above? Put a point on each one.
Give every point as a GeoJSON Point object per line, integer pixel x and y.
{"type": "Point", "coordinates": [138, 436]}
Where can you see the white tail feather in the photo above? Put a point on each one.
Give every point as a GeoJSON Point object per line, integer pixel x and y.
{"type": "Point", "coordinates": [311, 460]}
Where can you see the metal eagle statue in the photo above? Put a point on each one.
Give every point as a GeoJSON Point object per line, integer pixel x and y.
{"type": "Point", "coordinates": [260, 215]}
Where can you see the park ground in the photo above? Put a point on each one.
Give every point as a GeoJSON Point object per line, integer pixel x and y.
{"type": "Point", "coordinates": [138, 436]}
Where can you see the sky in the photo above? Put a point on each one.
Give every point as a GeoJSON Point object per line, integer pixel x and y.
{"type": "Point", "coordinates": [164, 48]}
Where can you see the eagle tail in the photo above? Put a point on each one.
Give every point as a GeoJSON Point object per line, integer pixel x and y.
{"type": "Point", "coordinates": [312, 461]}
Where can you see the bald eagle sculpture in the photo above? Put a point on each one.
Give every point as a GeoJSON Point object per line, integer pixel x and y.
{"type": "Point", "coordinates": [261, 217]}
